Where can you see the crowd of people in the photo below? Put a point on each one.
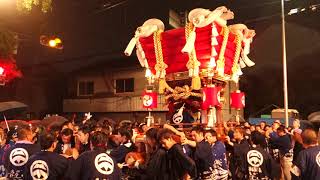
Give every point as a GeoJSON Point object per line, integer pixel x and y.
{"type": "Point", "coordinates": [99, 150]}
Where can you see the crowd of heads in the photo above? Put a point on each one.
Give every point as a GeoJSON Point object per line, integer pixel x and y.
{"type": "Point", "coordinates": [139, 142]}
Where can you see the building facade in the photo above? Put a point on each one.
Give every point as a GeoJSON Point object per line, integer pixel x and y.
{"type": "Point", "coordinates": [117, 94]}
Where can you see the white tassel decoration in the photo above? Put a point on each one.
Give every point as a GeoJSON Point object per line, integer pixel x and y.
{"type": "Point", "coordinates": [189, 46]}
{"type": "Point", "coordinates": [213, 52]}
{"type": "Point", "coordinates": [239, 72]}
{"type": "Point", "coordinates": [246, 60]}
{"type": "Point", "coordinates": [242, 64]}
{"type": "Point", "coordinates": [148, 73]}
{"type": "Point", "coordinates": [130, 46]}
{"type": "Point", "coordinates": [214, 30]}
{"type": "Point", "coordinates": [235, 78]}
{"type": "Point", "coordinates": [212, 62]}
{"type": "Point", "coordinates": [246, 48]}
{"type": "Point", "coordinates": [214, 41]}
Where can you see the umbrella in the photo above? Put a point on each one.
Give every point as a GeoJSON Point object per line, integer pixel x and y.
{"type": "Point", "coordinates": [53, 120]}
{"type": "Point", "coordinates": [125, 122]}
{"type": "Point", "coordinates": [35, 122]}
{"type": "Point", "coordinates": [13, 123]}
{"type": "Point", "coordinates": [106, 121]}
{"type": "Point", "coordinates": [11, 108]}
{"type": "Point", "coordinates": [314, 117]}
{"type": "Point", "coordinates": [306, 124]}
{"type": "Point", "coordinates": [4, 106]}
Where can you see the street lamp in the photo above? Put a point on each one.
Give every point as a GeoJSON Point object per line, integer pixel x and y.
{"type": "Point", "coordinates": [284, 61]}
{"type": "Point", "coordinates": [53, 41]}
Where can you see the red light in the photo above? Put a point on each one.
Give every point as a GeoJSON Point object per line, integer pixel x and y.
{"type": "Point", "coordinates": [1, 70]}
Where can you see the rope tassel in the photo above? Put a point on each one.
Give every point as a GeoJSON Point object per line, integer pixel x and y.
{"type": "Point", "coordinates": [162, 85]}
{"type": "Point", "coordinates": [196, 83]}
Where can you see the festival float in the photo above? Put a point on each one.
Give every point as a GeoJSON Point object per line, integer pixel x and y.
{"type": "Point", "coordinates": [192, 65]}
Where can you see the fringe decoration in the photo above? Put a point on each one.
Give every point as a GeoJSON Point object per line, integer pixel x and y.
{"type": "Point", "coordinates": [189, 46]}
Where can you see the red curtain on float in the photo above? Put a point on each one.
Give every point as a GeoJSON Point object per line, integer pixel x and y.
{"type": "Point", "coordinates": [173, 41]}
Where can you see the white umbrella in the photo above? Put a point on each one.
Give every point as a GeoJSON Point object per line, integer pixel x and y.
{"type": "Point", "coordinates": [314, 117]}
{"type": "Point", "coordinates": [9, 105]}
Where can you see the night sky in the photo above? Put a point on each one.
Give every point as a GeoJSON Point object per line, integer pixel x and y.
{"type": "Point", "coordinates": [97, 32]}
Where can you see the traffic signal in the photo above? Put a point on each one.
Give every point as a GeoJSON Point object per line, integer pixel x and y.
{"type": "Point", "coordinates": [52, 41]}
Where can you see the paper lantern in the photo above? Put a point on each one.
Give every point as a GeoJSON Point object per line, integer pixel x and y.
{"type": "Point", "coordinates": [237, 100]}
{"type": "Point", "coordinates": [211, 97]}
{"type": "Point", "coordinates": [149, 99]}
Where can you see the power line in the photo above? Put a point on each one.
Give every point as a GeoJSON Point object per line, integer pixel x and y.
{"type": "Point", "coordinates": [108, 7]}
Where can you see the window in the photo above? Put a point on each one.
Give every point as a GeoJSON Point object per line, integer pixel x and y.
{"type": "Point", "coordinates": [85, 88]}
{"type": "Point", "coordinates": [125, 85]}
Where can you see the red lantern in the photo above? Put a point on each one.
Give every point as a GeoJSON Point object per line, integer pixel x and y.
{"type": "Point", "coordinates": [149, 99]}
{"type": "Point", "coordinates": [237, 100]}
{"type": "Point", "coordinates": [211, 97]}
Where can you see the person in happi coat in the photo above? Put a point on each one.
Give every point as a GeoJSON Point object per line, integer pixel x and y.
{"type": "Point", "coordinates": [83, 137]}
{"type": "Point", "coordinates": [307, 164]}
{"type": "Point", "coordinates": [202, 156]}
{"type": "Point", "coordinates": [46, 164]}
{"type": "Point", "coordinates": [218, 149]}
{"type": "Point", "coordinates": [66, 142]}
{"type": "Point", "coordinates": [260, 163]}
{"type": "Point", "coordinates": [19, 154]}
{"type": "Point", "coordinates": [179, 164]}
{"type": "Point", "coordinates": [125, 146]}
{"type": "Point", "coordinates": [283, 143]}
{"type": "Point", "coordinates": [95, 164]}
{"type": "Point", "coordinates": [2, 152]}
{"type": "Point", "coordinates": [238, 162]}
{"type": "Point", "coordinates": [156, 165]}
